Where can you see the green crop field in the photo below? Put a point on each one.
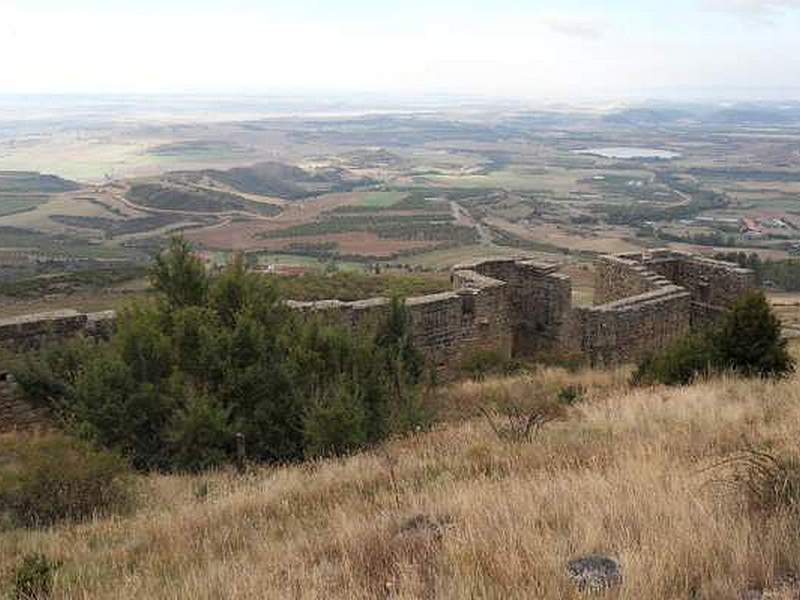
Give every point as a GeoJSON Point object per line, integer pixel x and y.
{"type": "Point", "coordinates": [381, 199]}
{"type": "Point", "coordinates": [11, 204]}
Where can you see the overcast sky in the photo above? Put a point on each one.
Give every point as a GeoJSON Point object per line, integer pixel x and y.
{"type": "Point", "coordinates": [544, 49]}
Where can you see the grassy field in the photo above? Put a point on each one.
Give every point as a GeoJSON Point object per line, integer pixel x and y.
{"type": "Point", "coordinates": [352, 285]}
{"type": "Point", "coordinates": [787, 306]}
{"type": "Point", "coordinates": [650, 477]}
{"type": "Point", "coordinates": [86, 291]}
{"type": "Point", "coordinates": [87, 159]}
{"type": "Point", "coordinates": [371, 233]}
{"type": "Point", "coordinates": [13, 203]}
{"type": "Point", "coordinates": [349, 282]}
{"type": "Point", "coordinates": [446, 258]}
{"type": "Point", "coordinates": [112, 299]}
{"type": "Point", "coordinates": [381, 199]}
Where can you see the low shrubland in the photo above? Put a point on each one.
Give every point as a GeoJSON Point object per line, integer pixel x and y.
{"type": "Point", "coordinates": [692, 489]}
{"type": "Point", "coordinates": [33, 579]}
{"type": "Point", "coordinates": [94, 279]}
{"type": "Point", "coordinates": [481, 363]}
{"type": "Point", "coordinates": [33, 182]}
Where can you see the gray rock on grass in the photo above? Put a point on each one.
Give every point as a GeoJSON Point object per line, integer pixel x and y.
{"type": "Point", "coordinates": [594, 573]}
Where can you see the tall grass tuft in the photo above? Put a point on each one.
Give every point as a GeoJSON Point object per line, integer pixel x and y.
{"type": "Point", "coordinates": [765, 481]}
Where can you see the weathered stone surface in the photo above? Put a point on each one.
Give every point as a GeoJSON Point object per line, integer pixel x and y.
{"type": "Point", "coordinates": [30, 332]}
{"type": "Point", "coordinates": [594, 573]}
{"type": "Point", "coordinates": [539, 302]}
{"type": "Point", "coordinates": [16, 414]}
{"type": "Point", "coordinates": [786, 587]}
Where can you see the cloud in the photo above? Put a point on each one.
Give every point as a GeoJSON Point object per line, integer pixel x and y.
{"type": "Point", "coordinates": [759, 10]}
{"type": "Point", "coordinates": [526, 53]}
{"type": "Point", "coordinates": [574, 27]}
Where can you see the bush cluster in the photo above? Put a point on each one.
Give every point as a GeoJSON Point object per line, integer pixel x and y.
{"type": "Point", "coordinates": [213, 357]}
{"type": "Point", "coordinates": [482, 363]}
{"type": "Point", "coordinates": [48, 478]}
{"type": "Point", "coordinates": [747, 341]}
{"type": "Point", "coordinates": [33, 579]}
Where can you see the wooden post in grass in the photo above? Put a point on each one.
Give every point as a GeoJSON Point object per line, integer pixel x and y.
{"type": "Point", "coordinates": [241, 452]}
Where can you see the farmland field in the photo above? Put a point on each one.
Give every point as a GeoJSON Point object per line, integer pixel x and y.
{"type": "Point", "coordinates": [381, 199]}
{"type": "Point", "coordinates": [13, 203]}
{"type": "Point", "coordinates": [427, 189]}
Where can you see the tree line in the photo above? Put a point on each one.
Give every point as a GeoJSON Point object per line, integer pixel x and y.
{"type": "Point", "coordinates": [781, 273]}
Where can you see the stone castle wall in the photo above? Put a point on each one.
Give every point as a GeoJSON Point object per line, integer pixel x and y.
{"type": "Point", "coordinates": [636, 311]}
{"type": "Point", "coordinates": [539, 301]}
{"type": "Point", "coordinates": [618, 277]}
{"type": "Point", "coordinates": [643, 301]}
{"type": "Point", "coordinates": [714, 285]}
{"type": "Point", "coordinates": [16, 413]}
{"type": "Point", "coordinates": [627, 330]}
{"type": "Point", "coordinates": [513, 307]}
{"type": "Point", "coordinates": [29, 332]}
{"type": "Point", "coordinates": [447, 327]}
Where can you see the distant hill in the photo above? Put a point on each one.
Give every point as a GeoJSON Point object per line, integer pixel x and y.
{"type": "Point", "coordinates": [284, 181]}
{"type": "Point", "coordinates": [189, 199]}
{"type": "Point", "coordinates": [33, 182]}
{"type": "Point", "coordinates": [648, 116]}
{"type": "Point", "coordinates": [757, 115]}
{"type": "Point", "coordinates": [708, 114]}
{"type": "Point", "coordinates": [266, 179]}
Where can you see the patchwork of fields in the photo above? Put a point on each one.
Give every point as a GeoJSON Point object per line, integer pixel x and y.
{"type": "Point", "coordinates": [425, 190]}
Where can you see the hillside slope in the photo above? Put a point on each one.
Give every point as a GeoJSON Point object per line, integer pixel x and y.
{"type": "Point", "coordinates": [458, 513]}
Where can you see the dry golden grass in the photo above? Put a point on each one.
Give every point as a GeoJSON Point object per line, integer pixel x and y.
{"type": "Point", "coordinates": [787, 306]}
{"type": "Point", "coordinates": [627, 472]}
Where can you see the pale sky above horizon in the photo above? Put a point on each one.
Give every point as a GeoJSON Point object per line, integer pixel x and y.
{"type": "Point", "coordinates": [509, 48]}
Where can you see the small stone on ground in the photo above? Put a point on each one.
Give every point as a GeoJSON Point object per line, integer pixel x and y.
{"type": "Point", "coordinates": [594, 573]}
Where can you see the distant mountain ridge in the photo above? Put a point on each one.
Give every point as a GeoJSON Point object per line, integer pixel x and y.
{"type": "Point", "coordinates": [733, 114]}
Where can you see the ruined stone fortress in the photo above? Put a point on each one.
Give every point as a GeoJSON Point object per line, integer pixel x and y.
{"type": "Point", "coordinates": [518, 308]}
{"type": "Point", "coordinates": [521, 308]}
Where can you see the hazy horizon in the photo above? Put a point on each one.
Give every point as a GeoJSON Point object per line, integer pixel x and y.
{"type": "Point", "coordinates": [544, 50]}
